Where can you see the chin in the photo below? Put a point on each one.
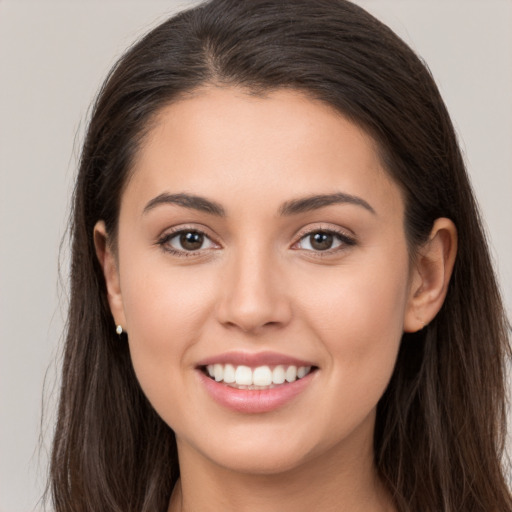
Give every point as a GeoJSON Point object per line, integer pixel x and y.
{"type": "Point", "coordinates": [258, 460]}
{"type": "Point", "coordinates": [267, 448]}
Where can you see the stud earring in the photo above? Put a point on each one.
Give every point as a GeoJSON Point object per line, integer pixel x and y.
{"type": "Point", "coordinates": [119, 330]}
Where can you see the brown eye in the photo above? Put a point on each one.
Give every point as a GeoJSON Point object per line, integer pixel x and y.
{"type": "Point", "coordinates": [321, 241]}
{"type": "Point", "coordinates": [186, 241]}
{"type": "Point", "coordinates": [324, 240]}
{"type": "Point", "coordinates": [191, 240]}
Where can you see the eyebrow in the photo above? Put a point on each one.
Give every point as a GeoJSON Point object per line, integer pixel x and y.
{"type": "Point", "coordinates": [292, 207]}
{"type": "Point", "coordinates": [315, 202]}
{"type": "Point", "coordinates": [187, 201]}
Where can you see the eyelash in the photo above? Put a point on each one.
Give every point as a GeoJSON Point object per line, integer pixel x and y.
{"type": "Point", "coordinates": [164, 241]}
{"type": "Point", "coordinates": [345, 241]}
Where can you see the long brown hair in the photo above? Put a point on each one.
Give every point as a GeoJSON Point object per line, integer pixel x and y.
{"type": "Point", "coordinates": [440, 425]}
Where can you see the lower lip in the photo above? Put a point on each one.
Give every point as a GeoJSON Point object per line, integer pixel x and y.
{"type": "Point", "coordinates": [254, 401]}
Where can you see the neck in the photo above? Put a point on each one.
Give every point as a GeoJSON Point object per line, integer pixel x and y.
{"type": "Point", "coordinates": [339, 481]}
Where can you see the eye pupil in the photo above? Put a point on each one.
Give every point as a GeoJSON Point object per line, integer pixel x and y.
{"type": "Point", "coordinates": [192, 240]}
{"type": "Point", "coordinates": [321, 241]}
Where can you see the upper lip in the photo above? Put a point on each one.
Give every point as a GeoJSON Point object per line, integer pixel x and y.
{"type": "Point", "coordinates": [254, 360]}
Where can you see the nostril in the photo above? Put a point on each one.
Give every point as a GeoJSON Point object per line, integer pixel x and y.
{"type": "Point", "coordinates": [253, 301]}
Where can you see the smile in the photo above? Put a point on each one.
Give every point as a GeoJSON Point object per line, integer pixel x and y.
{"type": "Point", "coordinates": [255, 383]}
{"type": "Point", "coordinates": [261, 377]}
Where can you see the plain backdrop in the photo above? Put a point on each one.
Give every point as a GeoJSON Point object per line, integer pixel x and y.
{"type": "Point", "coordinates": [53, 57]}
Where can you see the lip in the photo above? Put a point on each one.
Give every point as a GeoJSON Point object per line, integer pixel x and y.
{"type": "Point", "coordinates": [254, 360]}
{"type": "Point", "coordinates": [254, 401]}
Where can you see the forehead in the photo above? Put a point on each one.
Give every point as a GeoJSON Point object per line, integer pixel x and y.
{"type": "Point", "coordinates": [228, 143]}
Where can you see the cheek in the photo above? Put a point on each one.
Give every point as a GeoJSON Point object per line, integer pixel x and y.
{"type": "Point", "coordinates": [166, 310]}
{"type": "Point", "coordinates": [365, 301]}
{"type": "Point", "coordinates": [359, 320]}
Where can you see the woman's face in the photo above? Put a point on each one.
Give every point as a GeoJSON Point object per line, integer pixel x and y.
{"type": "Point", "coordinates": [260, 237]}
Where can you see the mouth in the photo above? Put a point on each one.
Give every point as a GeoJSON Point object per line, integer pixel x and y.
{"type": "Point", "coordinates": [254, 383]}
{"type": "Point", "coordinates": [255, 378]}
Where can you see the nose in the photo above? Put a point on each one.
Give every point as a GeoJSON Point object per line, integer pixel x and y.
{"type": "Point", "coordinates": [254, 293]}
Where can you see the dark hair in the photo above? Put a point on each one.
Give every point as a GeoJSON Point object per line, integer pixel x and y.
{"type": "Point", "coordinates": [440, 427]}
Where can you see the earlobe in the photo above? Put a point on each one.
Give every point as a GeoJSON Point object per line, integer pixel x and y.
{"type": "Point", "coordinates": [431, 275]}
{"type": "Point", "coordinates": [108, 263]}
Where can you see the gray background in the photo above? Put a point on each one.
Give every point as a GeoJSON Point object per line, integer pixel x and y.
{"type": "Point", "coordinates": [54, 55]}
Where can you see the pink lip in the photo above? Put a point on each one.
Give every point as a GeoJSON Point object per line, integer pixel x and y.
{"type": "Point", "coordinates": [254, 401]}
{"type": "Point", "coordinates": [254, 360]}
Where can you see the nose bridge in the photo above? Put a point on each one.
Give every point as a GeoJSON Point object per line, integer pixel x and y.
{"type": "Point", "coordinates": [254, 293]}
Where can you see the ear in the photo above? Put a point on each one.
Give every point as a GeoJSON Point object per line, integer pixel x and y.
{"type": "Point", "coordinates": [430, 276]}
{"type": "Point", "coordinates": [108, 263]}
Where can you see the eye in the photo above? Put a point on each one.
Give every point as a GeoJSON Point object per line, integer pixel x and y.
{"type": "Point", "coordinates": [184, 241]}
{"type": "Point", "coordinates": [323, 240]}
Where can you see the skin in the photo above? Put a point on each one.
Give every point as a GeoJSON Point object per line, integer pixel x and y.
{"type": "Point", "coordinates": [257, 284]}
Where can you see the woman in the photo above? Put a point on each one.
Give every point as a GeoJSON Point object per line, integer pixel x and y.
{"type": "Point", "coordinates": [281, 293]}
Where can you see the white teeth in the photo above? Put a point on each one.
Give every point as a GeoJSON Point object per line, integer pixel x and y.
{"type": "Point", "coordinates": [260, 377]}
{"type": "Point", "coordinates": [243, 376]}
{"type": "Point", "coordinates": [278, 375]}
{"type": "Point", "coordinates": [303, 371]}
{"type": "Point", "coordinates": [291, 373]}
{"type": "Point", "coordinates": [229, 374]}
{"type": "Point", "coordinates": [218, 372]}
